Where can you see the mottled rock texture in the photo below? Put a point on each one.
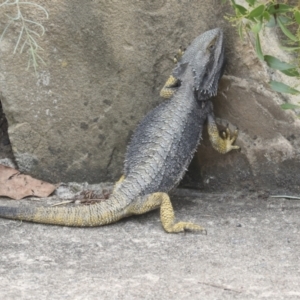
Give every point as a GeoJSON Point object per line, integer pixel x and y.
{"type": "Point", "coordinates": [106, 62]}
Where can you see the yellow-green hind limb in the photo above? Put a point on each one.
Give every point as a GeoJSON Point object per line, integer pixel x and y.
{"type": "Point", "coordinates": [167, 216]}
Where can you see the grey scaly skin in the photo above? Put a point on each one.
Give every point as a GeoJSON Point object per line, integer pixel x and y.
{"type": "Point", "coordinates": [204, 53]}
{"type": "Point", "coordinates": [207, 58]}
{"type": "Point", "coordinates": [160, 150]}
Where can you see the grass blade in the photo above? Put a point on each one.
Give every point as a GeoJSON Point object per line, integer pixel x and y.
{"type": "Point", "coordinates": [277, 64]}
{"type": "Point", "coordinates": [286, 31]}
{"type": "Point", "coordinates": [289, 106]}
{"type": "Point", "coordinates": [283, 88]}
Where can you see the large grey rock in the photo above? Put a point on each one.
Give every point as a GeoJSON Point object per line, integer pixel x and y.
{"type": "Point", "coordinates": [269, 140]}
{"type": "Point", "coordinates": [106, 62]}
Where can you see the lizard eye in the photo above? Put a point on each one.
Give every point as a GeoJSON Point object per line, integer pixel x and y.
{"type": "Point", "coordinates": [211, 45]}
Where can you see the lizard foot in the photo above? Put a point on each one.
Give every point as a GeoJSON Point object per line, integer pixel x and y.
{"type": "Point", "coordinates": [172, 83]}
{"type": "Point", "coordinates": [222, 144]}
{"type": "Point", "coordinates": [178, 55]}
{"type": "Point", "coordinates": [167, 217]}
{"type": "Point", "coordinates": [183, 226]}
{"type": "Point", "coordinates": [153, 201]}
{"type": "Point", "coordinates": [229, 139]}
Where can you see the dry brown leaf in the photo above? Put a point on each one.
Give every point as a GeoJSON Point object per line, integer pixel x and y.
{"type": "Point", "coordinates": [15, 185]}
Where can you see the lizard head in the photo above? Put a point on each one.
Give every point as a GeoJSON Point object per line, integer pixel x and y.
{"type": "Point", "coordinates": [205, 55]}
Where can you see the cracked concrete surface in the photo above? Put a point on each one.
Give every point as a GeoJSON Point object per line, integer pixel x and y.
{"type": "Point", "coordinates": [251, 252]}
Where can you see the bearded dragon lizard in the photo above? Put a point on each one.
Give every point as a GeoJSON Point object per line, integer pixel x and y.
{"type": "Point", "coordinates": [161, 147]}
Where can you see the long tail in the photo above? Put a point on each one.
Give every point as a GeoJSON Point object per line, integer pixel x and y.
{"type": "Point", "coordinates": [102, 213]}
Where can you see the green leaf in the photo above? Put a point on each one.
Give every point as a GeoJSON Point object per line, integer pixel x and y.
{"type": "Point", "coordinates": [266, 16]}
{"type": "Point", "coordinates": [286, 31]}
{"type": "Point", "coordinates": [251, 2]}
{"type": "Point", "coordinates": [284, 19]}
{"type": "Point", "coordinates": [272, 22]}
{"type": "Point", "coordinates": [297, 16]}
{"type": "Point", "coordinates": [257, 11]}
{"type": "Point", "coordinates": [256, 27]}
{"type": "Point", "coordinates": [258, 47]}
{"type": "Point", "coordinates": [279, 8]}
{"type": "Point", "coordinates": [291, 72]}
{"type": "Point", "coordinates": [240, 30]}
{"type": "Point", "coordinates": [290, 48]}
{"type": "Point", "coordinates": [285, 68]}
{"type": "Point", "coordinates": [241, 9]}
{"type": "Point", "coordinates": [283, 88]}
{"type": "Point", "coordinates": [277, 64]}
{"type": "Point", "coordinates": [289, 106]}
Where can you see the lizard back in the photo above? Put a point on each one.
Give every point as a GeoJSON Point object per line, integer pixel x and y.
{"type": "Point", "coordinates": [163, 144]}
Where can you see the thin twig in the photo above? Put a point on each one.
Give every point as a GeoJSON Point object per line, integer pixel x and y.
{"type": "Point", "coordinates": [286, 196]}
{"type": "Point", "coordinates": [63, 203]}
{"type": "Point", "coordinates": [37, 5]}
{"type": "Point", "coordinates": [225, 288]}
{"type": "Point", "coordinates": [26, 34]}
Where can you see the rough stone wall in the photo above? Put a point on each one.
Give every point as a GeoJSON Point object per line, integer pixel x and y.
{"type": "Point", "coordinates": [106, 62]}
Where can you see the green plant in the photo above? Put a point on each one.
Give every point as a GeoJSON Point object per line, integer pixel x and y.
{"type": "Point", "coordinates": [29, 33]}
{"type": "Point", "coordinates": [269, 13]}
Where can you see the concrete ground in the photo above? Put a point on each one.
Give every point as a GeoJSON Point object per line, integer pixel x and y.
{"type": "Point", "coordinates": [251, 251]}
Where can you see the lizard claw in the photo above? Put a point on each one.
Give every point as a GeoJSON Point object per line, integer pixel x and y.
{"type": "Point", "coordinates": [221, 141]}
{"type": "Point", "coordinates": [178, 55]}
{"type": "Point", "coordinates": [230, 139]}
{"type": "Point", "coordinates": [224, 134]}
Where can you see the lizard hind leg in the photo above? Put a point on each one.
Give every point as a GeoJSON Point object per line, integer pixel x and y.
{"type": "Point", "coordinates": [167, 216]}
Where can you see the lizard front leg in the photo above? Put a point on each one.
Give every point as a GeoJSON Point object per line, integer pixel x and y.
{"type": "Point", "coordinates": [172, 83]}
{"type": "Point", "coordinates": [167, 216]}
{"type": "Point", "coordinates": [170, 87]}
{"type": "Point", "coordinates": [221, 144]}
